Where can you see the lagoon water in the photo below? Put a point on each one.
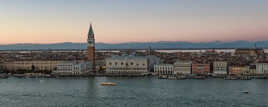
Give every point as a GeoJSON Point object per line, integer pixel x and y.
{"type": "Point", "coordinates": [131, 92]}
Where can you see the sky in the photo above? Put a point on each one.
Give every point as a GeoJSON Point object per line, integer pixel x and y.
{"type": "Point", "coordinates": [119, 21]}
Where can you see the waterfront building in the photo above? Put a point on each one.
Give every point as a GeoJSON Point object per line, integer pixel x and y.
{"type": "Point", "coordinates": [220, 67]}
{"type": "Point", "coordinates": [72, 67]}
{"type": "Point", "coordinates": [252, 70]}
{"type": "Point", "coordinates": [127, 65]}
{"type": "Point", "coordinates": [91, 47]}
{"type": "Point", "coordinates": [201, 68]}
{"type": "Point", "coordinates": [164, 69]}
{"type": "Point", "coordinates": [182, 67]}
{"type": "Point", "coordinates": [262, 68]}
{"type": "Point", "coordinates": [238, 70]}
{"type": "Point", "coordinates": [100, 65]}
{"type": "Point", "coordinates": [30, 65]}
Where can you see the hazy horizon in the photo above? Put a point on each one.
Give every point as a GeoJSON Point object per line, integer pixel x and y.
{"type": "Point", "coordinates": [121, 21]}
{"type": "Point", "coordinates": [142, 42]}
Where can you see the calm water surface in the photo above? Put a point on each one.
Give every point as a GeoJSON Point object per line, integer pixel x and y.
{"type": "Point", "coordinates": [132, 92]}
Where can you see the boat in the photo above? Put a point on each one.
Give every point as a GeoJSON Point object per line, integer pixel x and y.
{"type": "Point", "coordinates": [163, 77]}
{"type": "Point", "coordinates": [246, 92]}
{"type": "Point", "coordinates": [199, 77]}
{"type": "Point", "coordinates": [19, 75]}
{"type": "Point", "coordinates": [172, 78]}
{"type": "Point", "coordinates": [181, 77]}
{"type": "Point", "coordinates": [245, 78]}
{"type": "Point", "coordinates": [231, 78]}
{"type": "Point", "coordinates": [108, 84]}
{"type": "Point", "coordinates": [3, 76]}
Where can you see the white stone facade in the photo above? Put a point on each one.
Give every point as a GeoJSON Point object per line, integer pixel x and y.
{"type": "Point", "coordinates": [127, 65]}
{"type": "Point", "coordinates": [164, 69]}
{"type": "Point", "coordinates": [182, 67]}
{"type": "Point", "coordinates": [30, 65]}
{"type": "Point", "coordinates": [262, 68]}
{"type": "Point", "coordinates": [220, 67]}
{"type": "Point", "coordinates": [73, 67]}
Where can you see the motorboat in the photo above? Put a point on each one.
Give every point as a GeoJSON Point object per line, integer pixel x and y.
{"type": "Point", "coordinates": [108, 84]}
{"type": "Point", "coordinates": [245, 92]}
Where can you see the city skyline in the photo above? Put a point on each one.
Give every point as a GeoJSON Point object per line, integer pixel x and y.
{"type": "Point", "coordinates": [119, 21]}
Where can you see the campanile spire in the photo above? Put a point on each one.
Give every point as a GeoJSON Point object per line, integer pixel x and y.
{"type": "Point", "coordinates": [91, 47]}
{"type": "Point", "coordinates": [90, 32]}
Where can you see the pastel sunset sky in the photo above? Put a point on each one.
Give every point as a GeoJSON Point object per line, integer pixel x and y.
{"type": "Point", "coordinates": [116, 21]}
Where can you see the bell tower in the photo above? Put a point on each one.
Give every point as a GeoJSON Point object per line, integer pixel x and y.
{"type": "Point", "coordinates": [91, 47]}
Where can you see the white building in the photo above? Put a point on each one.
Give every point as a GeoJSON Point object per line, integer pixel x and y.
{"type": "Point", "coordinates": [164, 69]}
{"type": "Point", "coordinates": [182, 67]}
{"type": "Point", "coordinates": [127, 65]}
{"type": "Point", "coordinates": [220, 67]}
{"type": "Point", "coordinates": [73, 67]}
{"type": "Point", "coordinates": [262, 68]}
{"type": "Point", "coordinates": [30, 65]}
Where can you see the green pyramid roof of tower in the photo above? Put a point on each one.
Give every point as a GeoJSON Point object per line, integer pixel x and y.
{"type": "Point", "coordinates": [90, 32]}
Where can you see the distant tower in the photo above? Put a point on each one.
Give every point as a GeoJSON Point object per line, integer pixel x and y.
{"type": "Point", "coordinates": [91, 47]}
{"type": "Point", "coordinates": [149, 51]}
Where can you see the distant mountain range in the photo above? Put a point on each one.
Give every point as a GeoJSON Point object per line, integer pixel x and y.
{"type": "Point", "coordinates": [137, 45]}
